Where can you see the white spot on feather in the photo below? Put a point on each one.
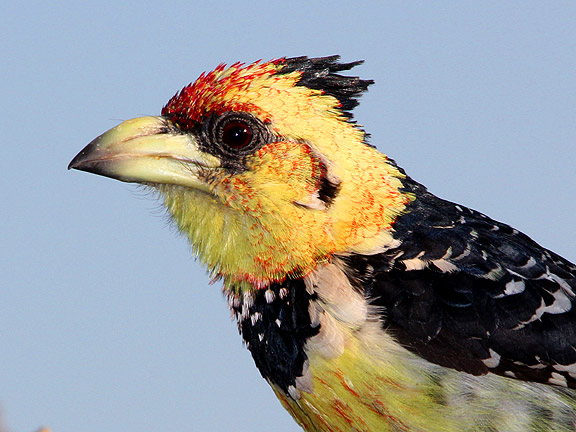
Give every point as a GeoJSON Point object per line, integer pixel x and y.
{"type": "Point", "coordinates": [248, 299]}
{"type": "Point", "coordinates": [444, 266]}
{"type": "Point", "coordinates": [269, 296]}
{"type": "Point", "coordinates": [512, 287]}
{"type": "Point", "coordinates": [464, 253]}
{"type": "Point", "coordinates": [255, 317]}
{"type": "Point", "coordinates": [571, 368]}
{"type": "Point", "coordinates": [563, 284]}
{"type": "Point", "coordinates": [538, 365]}
{"type": "Point", "coordinates": [558, 380]}
{"type": "Point", "coordinates": [294, 393]}
{"type": "Point", "coordinates": [530, 263]}
{"type": "Point", "coordinates": [561, 303]}
{"type": "Point", "coordinates": [496, 273]}
{"type": "Point", "coordinates": [234, 301]}
{"type": "Point", "coordinates": [414, 264]}
{"type": "Point", "coordinates": [245, 311]}
{"type": "Point", "coordinates": [305, 382]}
{"type": "Point", "coordinates": [537, 314]}
{"type": "Point", "coordinates": [494, 359]}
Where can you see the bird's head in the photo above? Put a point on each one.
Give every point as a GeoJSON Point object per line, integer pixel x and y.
{"type": "Point", "coordinates": [262, 168]}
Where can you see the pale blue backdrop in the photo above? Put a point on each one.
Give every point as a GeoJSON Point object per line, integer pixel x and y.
{"type": "Point", "coordinates": [106, 321]}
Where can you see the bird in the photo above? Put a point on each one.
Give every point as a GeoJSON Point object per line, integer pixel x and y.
{"type": "Point", "coordinates": [367, 302]}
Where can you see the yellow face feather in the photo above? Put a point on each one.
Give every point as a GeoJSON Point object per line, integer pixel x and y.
{"type": "Point", "coordinates": [266, 225]}
{"type": "Point", "coordinates": [266, 221]}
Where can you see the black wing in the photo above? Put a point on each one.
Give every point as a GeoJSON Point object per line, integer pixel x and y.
{"type": "Point", "coordinates": [473, 294]}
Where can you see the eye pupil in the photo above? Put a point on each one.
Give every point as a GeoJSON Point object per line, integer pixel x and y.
{"type": "Point", "coordinates": [236, 134]}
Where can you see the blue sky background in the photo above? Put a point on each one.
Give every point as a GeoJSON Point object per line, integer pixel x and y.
{"type": "Point", "coordinates": [107, 323]}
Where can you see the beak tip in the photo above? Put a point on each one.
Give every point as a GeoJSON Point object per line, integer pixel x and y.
{"type": "Point", "coordinates": [77, 161]}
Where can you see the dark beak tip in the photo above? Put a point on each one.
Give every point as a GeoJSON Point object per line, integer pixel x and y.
{"type": "Point", "coordinates": [84, 154]}
{"type": "Point", "coordinates": [76, 162]}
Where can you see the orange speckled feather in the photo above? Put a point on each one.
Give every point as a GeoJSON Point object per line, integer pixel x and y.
{"type": "Point", "coordinates": [213, 92]}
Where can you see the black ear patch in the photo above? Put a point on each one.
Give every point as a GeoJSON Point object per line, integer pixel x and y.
{"type": "Point", "coordinates": [321, 74]}
{"type": "Point", "coordinates": [328, 190]}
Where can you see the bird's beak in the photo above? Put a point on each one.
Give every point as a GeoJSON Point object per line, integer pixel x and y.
{"type": "Point", "coordinates": [146, 150]}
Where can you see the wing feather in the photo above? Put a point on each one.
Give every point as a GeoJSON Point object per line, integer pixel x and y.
{"type": "Point", "coordinates": [473, 294]}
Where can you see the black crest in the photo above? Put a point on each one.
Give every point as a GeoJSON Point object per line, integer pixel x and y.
{"type": "Point", "coordinates": [322, 74]}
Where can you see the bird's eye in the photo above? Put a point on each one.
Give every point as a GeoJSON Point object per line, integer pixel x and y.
{"type": "Point", "coordinates": [233, 136]}
{"type": "Point", "coordinates": [237, 134]}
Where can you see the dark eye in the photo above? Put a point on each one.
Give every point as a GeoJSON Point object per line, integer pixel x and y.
{"type": "Point", "coordinates": [233, 136]}
{"type": "Point", "coordinates": [237, 134]}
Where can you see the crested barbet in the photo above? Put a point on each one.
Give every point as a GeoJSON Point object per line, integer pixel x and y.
{"type": "Point", "coordinates": [367, 303]}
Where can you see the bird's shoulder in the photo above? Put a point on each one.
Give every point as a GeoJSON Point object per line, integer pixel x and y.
{"type": "Point", "coordinates": [470, 293]}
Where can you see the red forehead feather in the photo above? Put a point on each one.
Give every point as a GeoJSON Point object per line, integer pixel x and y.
{"type": "Point", "coordinates": [207, 94]}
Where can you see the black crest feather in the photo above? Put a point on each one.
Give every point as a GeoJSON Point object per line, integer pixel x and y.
{"type": "Point", "coordinates": [322, 74]}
